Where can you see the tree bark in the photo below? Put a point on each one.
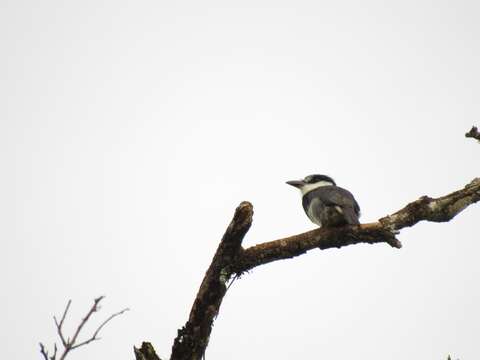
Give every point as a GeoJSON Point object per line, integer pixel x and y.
{"type": "Point", "coordinates": [232, 260]}
{"type": "Point", "coordinates": [192, 339]}
{"type": "Point", "coordinates": [146, 352]}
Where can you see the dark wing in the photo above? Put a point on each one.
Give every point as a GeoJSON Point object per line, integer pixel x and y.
{"type": "Point", "coordinates": [334, 196]}
{"type": "Point", "coordinates": [341, 197]}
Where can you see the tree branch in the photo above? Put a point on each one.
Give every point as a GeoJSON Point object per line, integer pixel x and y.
{"type": "Point", "coordinates": [68, 344]}
{"type": "Point", "coordinates": [473, 133]}
{"type": "Point", "coordinates": [146, 352]}
{"type": "Point", "coordinates": [322, 239]}
{"type": "Point", "coordinates": [59, 325]}
{"type": "Point", "coordinates": [192, 339]}
{"type": "Point", "coordinates": [231, 259]}
{"type": "Point", "coordinates": [441, 209]}
{"type": "Point", "coordinates": [44, 352]}
{"type": "Point", "coordinates": [95, 334]}
{"type": "Point", "coordinates": [93, 309]}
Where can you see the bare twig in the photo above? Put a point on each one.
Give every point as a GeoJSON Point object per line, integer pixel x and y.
{"type": "Point", "coordinates": [54, 352]}
{"type": "Point", "coordinates": [94, 336]}
{"type": "Point", "coordinates": [71, 344]}
{"type": "Point", "coordinates": [59, 325]}
{"type": "Point", "coordinates": [473, 133]}
{"type": "Point", "coordinates": [93, 309]}
{"type": "Point", "coordinates": [43, 351]}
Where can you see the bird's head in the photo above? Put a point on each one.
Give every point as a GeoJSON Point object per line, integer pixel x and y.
{"type": "Point", "coordinates": [312, 182]}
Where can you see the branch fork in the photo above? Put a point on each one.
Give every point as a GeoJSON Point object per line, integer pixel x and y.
{"type": "Point", "coordinates": [231, 259]}
{"type": "Point", "coordinates": [71, 344]}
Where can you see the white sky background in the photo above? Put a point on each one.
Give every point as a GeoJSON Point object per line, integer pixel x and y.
{"type": "Point", "coordinates": [130, 131]}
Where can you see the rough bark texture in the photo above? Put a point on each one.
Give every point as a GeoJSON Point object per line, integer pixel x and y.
{"type": "Point", "coordinates": [231, 259]}
{"type": "Point", "coordinates": [441, 209]}
{"type": "Point", "coordinates": [146, 352]}
{"type": "Point", "coordinates": [322, 239]}
{"type": "Point", "coordinates": [192, 339]}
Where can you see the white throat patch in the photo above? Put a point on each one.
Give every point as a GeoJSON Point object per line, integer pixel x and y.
{"type": "Point", "coordinates": [309, 187]}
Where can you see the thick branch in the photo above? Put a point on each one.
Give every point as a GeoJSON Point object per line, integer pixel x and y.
{"type": "Point", "coordinates": [437, 210]}
{"type": "Point", "coordinates": [326, 238]}
{"type": "Point", "coordinates": [441, 209]}
{"type": "Point", "coordinates": [192, 339]}
{"type": "Point", "coordinates": [473, 133]}
{"type": "Point", "coordinates": [146, 352]}
{"type": "Point", "coordinates": [231, 258]}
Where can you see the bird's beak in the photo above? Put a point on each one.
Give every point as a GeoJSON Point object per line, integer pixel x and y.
{"type": "Point", "coordinates": [296, 183]}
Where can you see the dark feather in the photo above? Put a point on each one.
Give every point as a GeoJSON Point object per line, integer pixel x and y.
{"type": "Point", "coordinates": [322, 204]}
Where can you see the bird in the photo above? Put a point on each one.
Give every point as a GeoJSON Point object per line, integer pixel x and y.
{"type": "Point", "coordinates": [325, 203]}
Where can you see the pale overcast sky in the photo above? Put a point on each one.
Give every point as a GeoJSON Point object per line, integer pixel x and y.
{"type": "Point", "coordinates": [130, 131]}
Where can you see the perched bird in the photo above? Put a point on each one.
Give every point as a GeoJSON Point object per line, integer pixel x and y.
{"type": "Point", "coordinates": [325, 203]}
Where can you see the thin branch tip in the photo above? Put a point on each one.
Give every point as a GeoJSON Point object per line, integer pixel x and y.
{"type": "Point", "coordinates": [395, 243]}
{"type": "Point", "coordinates": [70, 344]}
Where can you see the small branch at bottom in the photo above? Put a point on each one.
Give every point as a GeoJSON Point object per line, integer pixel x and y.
{"type": "Point", "coordinates": [473, 133]}
{"type": "Point", "coordinates": [71, 344]}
